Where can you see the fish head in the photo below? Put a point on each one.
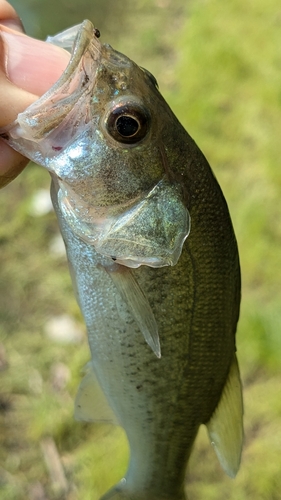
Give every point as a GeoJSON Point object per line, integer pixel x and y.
{"type": "Point", "coordinates": [107, 135]}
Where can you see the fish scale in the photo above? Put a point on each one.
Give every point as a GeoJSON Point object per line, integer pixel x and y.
{"type": "Point", "coordinates": [153, 260]}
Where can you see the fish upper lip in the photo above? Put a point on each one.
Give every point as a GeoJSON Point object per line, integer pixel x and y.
{"type": "Point", "coordinates": [83, 41]}
{"type": "Point", "coordinates": [50, 110]}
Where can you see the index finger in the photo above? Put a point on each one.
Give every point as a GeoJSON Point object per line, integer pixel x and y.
{"type": "Point", "coordinates": [28, 68]}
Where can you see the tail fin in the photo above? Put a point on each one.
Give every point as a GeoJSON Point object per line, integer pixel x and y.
{"type": "Point", "coordinates": [121, 492]}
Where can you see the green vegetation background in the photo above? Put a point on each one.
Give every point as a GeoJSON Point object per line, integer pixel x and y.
{"type": "Point", "coordinates": [218, 64]}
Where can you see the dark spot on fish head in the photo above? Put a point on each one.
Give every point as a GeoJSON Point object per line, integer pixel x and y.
{"type": "Point", "coordinates": [86, 80]}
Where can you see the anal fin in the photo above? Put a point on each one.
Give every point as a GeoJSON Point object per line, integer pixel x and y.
{"type": "Point", "coordinates": [225, 427]}
{"type": "Point", "coordinates": [91, 404]}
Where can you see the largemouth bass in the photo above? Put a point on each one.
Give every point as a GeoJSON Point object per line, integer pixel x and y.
{"type": "Point", "coordinates": [153, 259]}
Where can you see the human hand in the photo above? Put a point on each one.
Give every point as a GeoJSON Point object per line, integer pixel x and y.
{"type": "Point", "coordinates": [28, 68]}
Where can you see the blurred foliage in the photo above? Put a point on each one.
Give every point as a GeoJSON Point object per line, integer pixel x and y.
{"type": "Point", "coordinates": [218, 64]}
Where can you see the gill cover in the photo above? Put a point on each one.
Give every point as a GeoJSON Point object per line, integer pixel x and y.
{"type": "Point", "coordinates": [151, 232]}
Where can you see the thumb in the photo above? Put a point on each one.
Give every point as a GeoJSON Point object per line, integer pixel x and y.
{"type": "Point", "coordinates": [28, 68]}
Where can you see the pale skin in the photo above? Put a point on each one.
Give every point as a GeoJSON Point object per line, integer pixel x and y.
{"type": "Point", "coordinates": [28, 68]}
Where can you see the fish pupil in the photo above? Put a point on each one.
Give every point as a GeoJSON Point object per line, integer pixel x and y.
{"type": "Point", "coordinates": [127, 126]}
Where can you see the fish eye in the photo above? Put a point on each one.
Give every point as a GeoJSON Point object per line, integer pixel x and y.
{"type": "Point", "coordinates": [128, 124]}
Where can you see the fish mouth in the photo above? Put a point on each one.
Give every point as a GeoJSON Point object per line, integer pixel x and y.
{"type": "Point", "coordinates": [47, 126]}
{"type": "Point", "coordinates": [152, 232]}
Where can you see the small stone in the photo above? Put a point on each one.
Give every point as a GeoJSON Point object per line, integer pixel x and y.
{"type": "Point", "coordinates": [63, 329]}
{"type": "Point", "coordinates": [36, 492]}
{"type": "Point", "coordinates": [41, 203]}
{"type": "Point", "coordinates": [60, 376]}
{"type": "Point", "coordinates": [56, 246]}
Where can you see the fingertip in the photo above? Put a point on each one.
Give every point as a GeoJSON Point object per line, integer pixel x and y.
{"type": "Point", "coordinates": [30, 64]}
{"type": "Point", "coordinates": [14, 24]}
{"type": "Point", "coordinates": [11, 164]}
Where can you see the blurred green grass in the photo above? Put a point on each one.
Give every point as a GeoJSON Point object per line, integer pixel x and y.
{"type": "Point", "coordinates": [218, 64]}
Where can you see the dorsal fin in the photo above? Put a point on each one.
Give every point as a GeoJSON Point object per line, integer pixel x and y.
{"type": "Point", "coordinates": [91, 404]}
{"type": "Point", "coordinates": [225, 427]}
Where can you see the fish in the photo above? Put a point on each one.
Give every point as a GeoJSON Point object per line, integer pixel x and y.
{"type": "Point", "coordinates": [153, 259]}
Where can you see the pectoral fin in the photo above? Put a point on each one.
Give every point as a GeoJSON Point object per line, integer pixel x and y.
{"type": "Point", "coordinates": [90, 403]}
{"type": "Point", "coordinates": [225, 427]}
{"type": "Point", "coordinates": [138, 304]}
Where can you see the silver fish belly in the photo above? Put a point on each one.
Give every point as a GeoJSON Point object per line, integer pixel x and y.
{"type": "Point", "coordinates": [153, 259]}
